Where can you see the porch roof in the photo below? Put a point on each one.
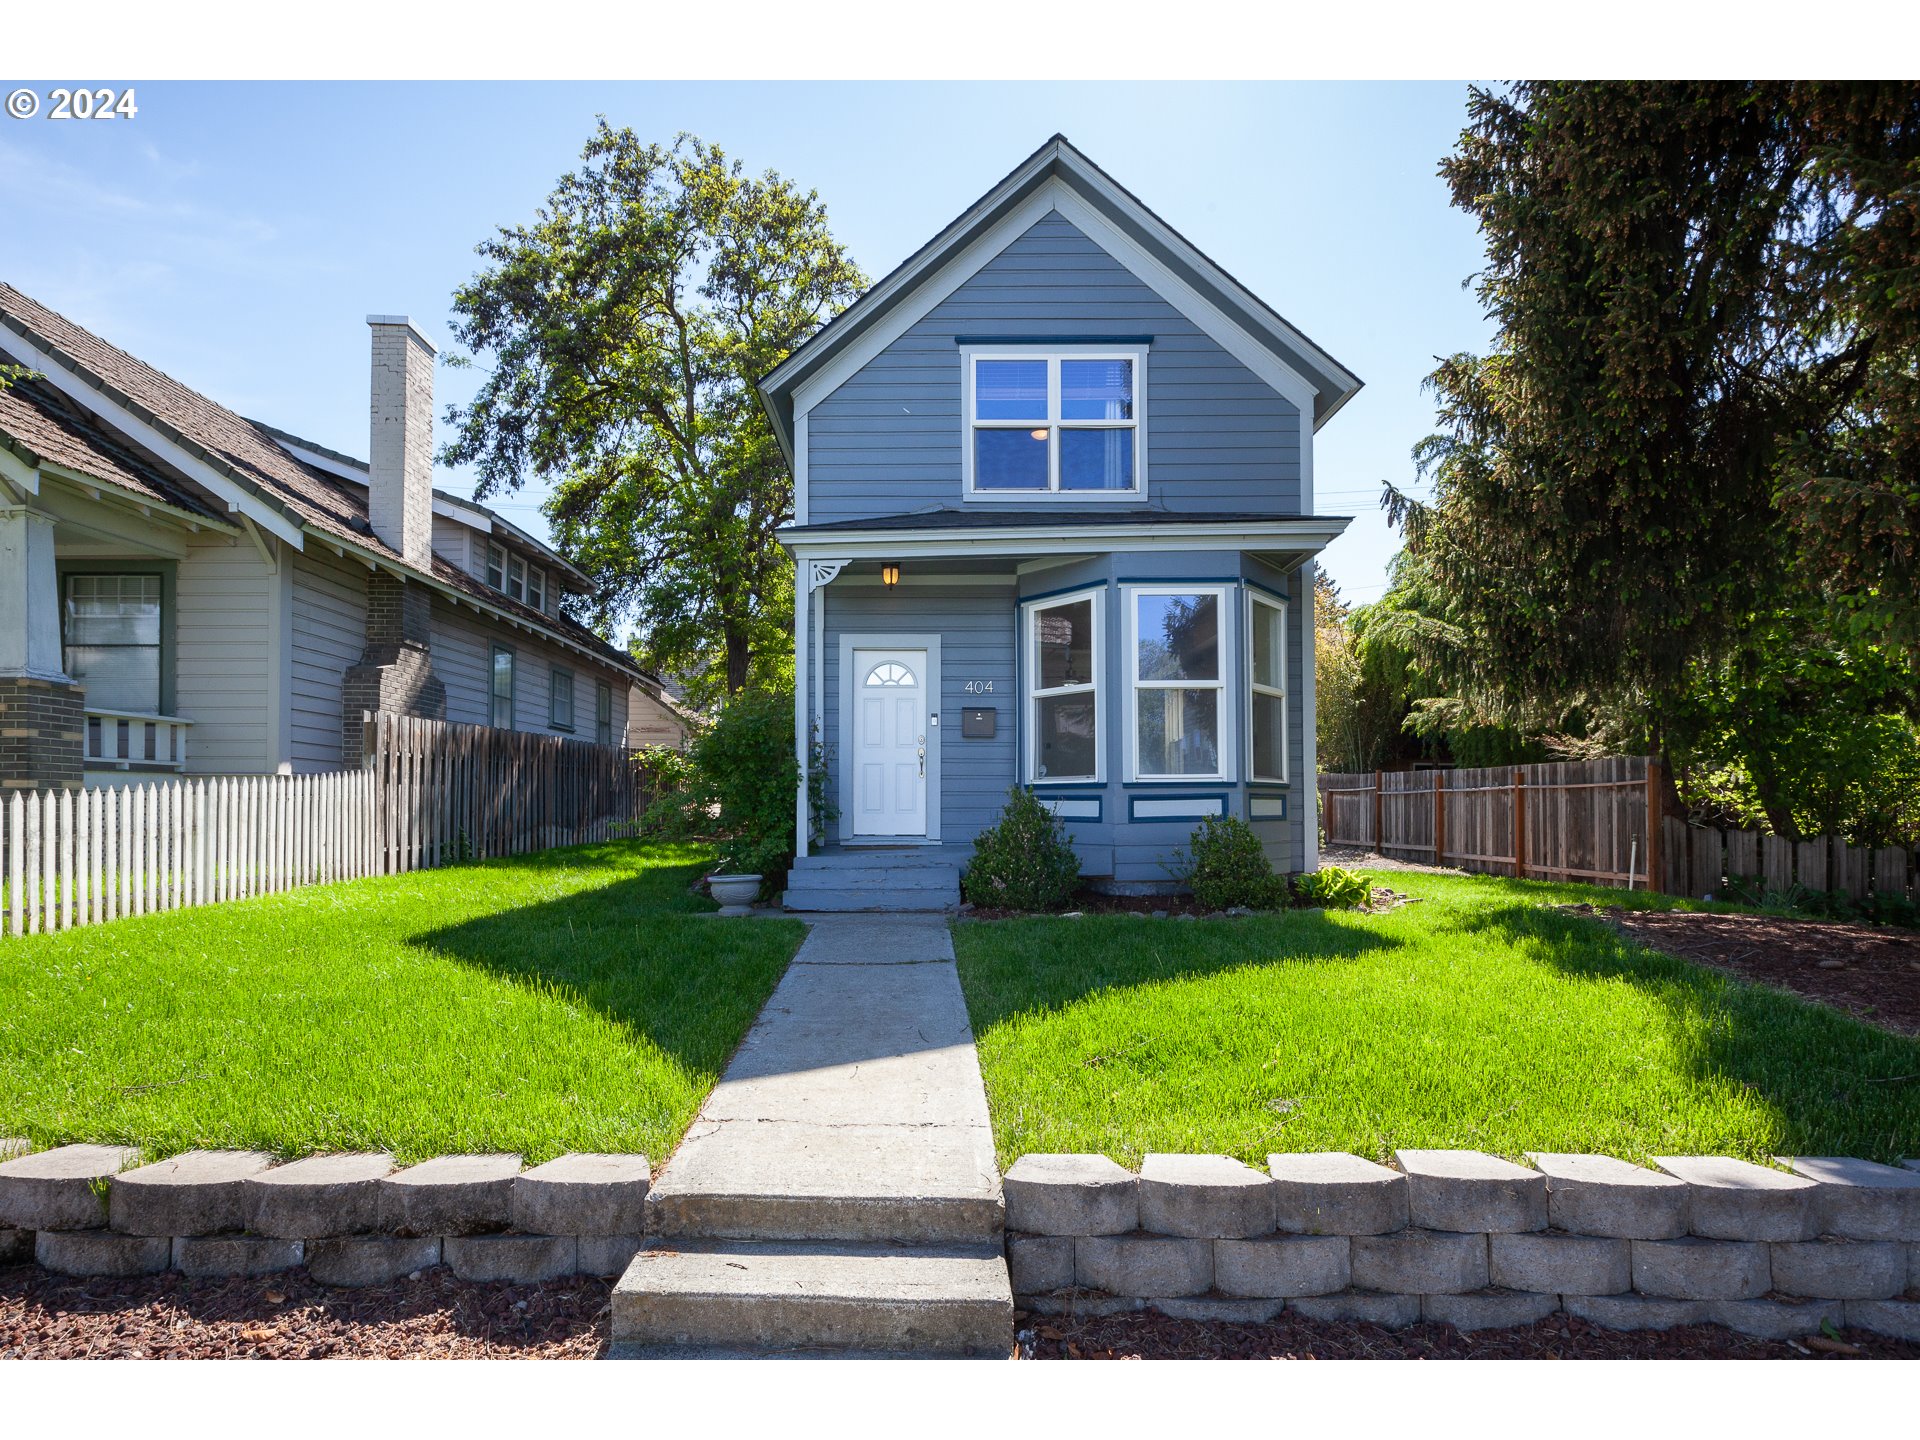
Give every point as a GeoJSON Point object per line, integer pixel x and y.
{"type": "Point", "coordinates": [1016, 532]}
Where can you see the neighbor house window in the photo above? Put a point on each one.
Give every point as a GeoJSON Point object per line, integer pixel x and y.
{"type": "Point", "coordinates": [500, 690]}
{"type": "Point", "coordinates": [536, 587]}
{"type": "Point", "coordinates": [1053, 424]}
{"type": "Point", "coordinates": [1267, 686]}
{"type": "Point", "coordinates": [1177, 680]}
{"type": "Point", "coordinates": [602, 712]}
{"type": "Point", "coordinates": [560, 698]}
{"type": "Point", "coordinates": [1063, 688]}
{"type": "Point", "coordinates": [497, 567]}
{"type": "Point", "coordinates": [111, 640]}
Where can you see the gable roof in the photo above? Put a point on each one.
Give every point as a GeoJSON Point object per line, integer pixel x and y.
{"type": "Point", "coordinates": [83, 376]}
{"type": "Point", "coordinates": [1057, 163]}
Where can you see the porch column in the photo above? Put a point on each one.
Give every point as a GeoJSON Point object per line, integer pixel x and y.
{"type": "Point", "coordinates": [809, 673]}
{"type": "Point", "coordinates": [42, 712]}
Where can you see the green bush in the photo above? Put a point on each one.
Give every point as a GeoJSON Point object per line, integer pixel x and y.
{"type": "Point", "coordinates": [1332, 888]}
{"type": "Point", "coordinates": [1025, 861]}
{"type": "Point", "coordinates": [1226, 867]}
{"type": "Point", "coordinates": [735, 785]}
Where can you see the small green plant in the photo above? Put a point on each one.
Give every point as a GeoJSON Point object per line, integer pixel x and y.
{"type": "Point", "coordinates": [1024, 861]}
{"type": "Point", "coordinates": [1226, 867]}
{"type": "Point", "coordinates": [1332, 888]}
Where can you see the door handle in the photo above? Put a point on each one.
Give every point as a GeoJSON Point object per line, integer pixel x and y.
{"type": "Point", "coordinates": [921, 741]}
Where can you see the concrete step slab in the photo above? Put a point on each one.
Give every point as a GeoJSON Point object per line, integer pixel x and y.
{"type": "Point", "coordinates": [738, 1298]}
{"type": "Point", "coordinates": [918, 877]}
{"type": "Point", "coordinates": [855, 900]}
{"type": "Point", "coordinates": [61, 1189]}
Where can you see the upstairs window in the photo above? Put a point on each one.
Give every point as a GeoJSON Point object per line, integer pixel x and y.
{"type": "Point", "coordinates": [497, 567]}
{"type": "Point", "coordinates": [536, 588]}
{"type": "Point", "coordinates": [1053, 424]}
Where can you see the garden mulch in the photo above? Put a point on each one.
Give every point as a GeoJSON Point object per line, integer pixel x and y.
{"type": "Point", "coordinates": [1144, 1335]}
{"type": "Point", "coordinates": [292, 1317]}
{"type": "Point", "coordinates": [1870, 972]}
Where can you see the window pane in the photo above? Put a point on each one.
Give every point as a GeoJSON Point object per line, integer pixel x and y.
{"type": "Point", "coordinates": [1010, 459]}
{"type": "Point", "coordinates": [119, 677]}
{"type": "Point", "coordinates": [1268, 642]}
{"type": "Point", "coordinates": [1096, 389]}
{"type": "Point", "coordinates": [1179, 732]}
{"type": "Point", "coordinates": [1269, 737]}
{"type": "Point", "coordinates": [1010, 390]}
{"type": "Point", "coordinates": [1179, 636]}
{"type": "Point", "coordinates": [496, 567]}
{"type": "Point", "coordinates": [503, 689]}
{"type": "Point", "coordinates": [1064, 637]}
{"type": "Point", "coordinates": [1096, 459]}
{"type": "Point", "coordinates": [1068, 734]}
{"type": "Point", "coordinates": [113, 609]}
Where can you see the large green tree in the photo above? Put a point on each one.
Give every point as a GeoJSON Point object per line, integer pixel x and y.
{"type": "Point", "coordinates": [1702, 389]}
{"type": "Point", "coordinates": [622, 330]}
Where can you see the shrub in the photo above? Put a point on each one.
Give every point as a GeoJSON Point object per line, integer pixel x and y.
{"type": "Point", "coordinates": [735, 785]}
{"type": "Point", "coordinates": [1332, 888]}
{"type": "Point", "coordinates": [1227, 868]}
{"type": "Point", "coordinates": [1025, 861]}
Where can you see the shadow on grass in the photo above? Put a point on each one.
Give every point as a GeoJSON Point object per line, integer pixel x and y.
{"type": "Point", "coordinates": [1822, 1072]}
{"type": "Point", "coordinates": [1005, 974]}
{"type": "Point", "coordinates": [640, 952]}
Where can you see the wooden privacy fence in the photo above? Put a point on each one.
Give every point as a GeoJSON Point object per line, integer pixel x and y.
{"type": "Point", "coordinates": [1702, 861]}
{"type": "Point", "coordinates": [428, 793]}
{"type": "Point", "coordinates": [1573, 820]}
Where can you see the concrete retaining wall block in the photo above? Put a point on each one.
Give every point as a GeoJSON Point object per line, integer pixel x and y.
{"type": "Point", "coordinates": [1070, 1195]}
{"type": "Point", "coordinates": [520, 1259]}
{"type": "Point", "coordinates": [450, 1195]}
{"type": "Point", "coordinates": [1488, 1309]}
{"type": "Point", "coordinates": [61, 1189]}
{"type": "Point", "coordinates": [1149, 1266]}
{"type": "Point", "coordinates": [1776, 1319]}
{"type": "Point", "coordinates": [1333, 1193]}
{"type": "Point", "coordinates": [1898, 1318]}
{"type": "Point", "coordinates": [16, 1246]}
{"type": "Point", "coordinates": [1283, 1266]}
{"type": "Point", "coordinates": [1420, 1262]}
{"type": "Point", "coordinates": [1599, 1195]}
{"type": "Point", "coordinates": [1634, 1312]}
{"type": "Point", "coordinates": [319, 1196]}
{"type": "Point", "coordinates": [1394, 1312]}
{"type": "Point", "coordinates": [1840, 1269]}
{"type": "Point", "coordinates": [209, 1256]}
{"type": "Point", "coordinates": [582, 1195]}
{"type": "Point", "coordinates": [1082, 1303]}
{"type": "Point", "coordinates": [101, 1253]}
{"type": "Point", "coordinates": [1229, 1311]}
{"type": "Point", "coordinates": [607, 1256]}
{"type": "Point", "coordinates": [1730, 1199]}
{"type": "Point", "coordinates": [1559, 1264]}
{"type": "Point", "coordinates": [1698, 1269]}
{"type": "Point", "coordinates": [1207, 1197]}
{"type": "Point", "coordinates": [1468, 1192]}
{"type": "Point", "coordinates": [197, 1193]}
{"type": "Point", "coordinates": [1860, 1200]}
{"type": "Point", "coordinates": [368, 1259]}
{"type": "Point", "coordinates": [1039, 1263]}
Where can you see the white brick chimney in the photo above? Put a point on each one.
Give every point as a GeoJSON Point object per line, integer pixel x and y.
{"type": "Point", "coordinates": [400, 449]}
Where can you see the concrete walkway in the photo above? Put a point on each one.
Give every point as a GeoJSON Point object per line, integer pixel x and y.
{"type": "Point", "coordinates": [857, 1090]}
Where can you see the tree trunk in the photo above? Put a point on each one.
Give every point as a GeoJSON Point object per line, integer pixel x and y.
{"type": "Point", "coordinates": [738, 658]}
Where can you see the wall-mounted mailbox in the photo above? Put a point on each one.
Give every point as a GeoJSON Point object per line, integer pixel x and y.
{"type": "Point", "coordinates": [976, 722]}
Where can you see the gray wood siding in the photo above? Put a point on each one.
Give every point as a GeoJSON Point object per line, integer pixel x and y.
{"type": "Point", "coordinates": [975, 626]}
{"type": "Point", "coordinates": [225, 656]}
{"type": "Point", "coordinates": [459, 546]}
{"type": "Point", "coordinates": [462, 648]}
{"type": "Point", "coordinates": [329, 634]}
{"type": "Point", "coordinates": [889, 440]}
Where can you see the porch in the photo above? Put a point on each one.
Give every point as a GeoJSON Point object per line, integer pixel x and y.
{"type": "Point", "coordinates": [878, 877]}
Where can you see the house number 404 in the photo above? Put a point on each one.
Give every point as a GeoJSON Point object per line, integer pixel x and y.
{"type": "Point", "coordinates": [979, 687]}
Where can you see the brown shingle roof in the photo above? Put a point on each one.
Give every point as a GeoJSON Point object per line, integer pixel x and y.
{"type": "Point", "coordinates": [42, 421]}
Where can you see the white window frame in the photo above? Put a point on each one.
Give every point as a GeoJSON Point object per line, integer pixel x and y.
{"type": "Point", "coordinates": [970, 358]}
{"type": "Point", "coordinates": [559, 685]}
{"type": "Point", "coordinates": [497, 567]}
{"type": "Point", "coordinates": [537, 588]}
{"type": "Point", "coordinates": [516, 579]}
{"type": "Point", "coordinates": [1030, 640]}
{"type": "Point", "coordinates": [1254, 688]}
{"type": "Point", "coordinates": [1225, 710]}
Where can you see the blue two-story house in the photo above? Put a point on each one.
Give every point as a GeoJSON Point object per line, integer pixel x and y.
{"type": "Point", "coordinates": [1054, 527]}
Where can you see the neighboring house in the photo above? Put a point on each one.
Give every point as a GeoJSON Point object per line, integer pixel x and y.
{"type": "Point", "coordinates": [1055, 527]}
{"type": "Point", "coordinates": [183, 589]}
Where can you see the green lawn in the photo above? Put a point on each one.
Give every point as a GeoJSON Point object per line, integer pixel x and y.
{"type": "Point", "coordinates": [569, 1000]}
{"type": "Point", "coordinates": [1476, 1018]}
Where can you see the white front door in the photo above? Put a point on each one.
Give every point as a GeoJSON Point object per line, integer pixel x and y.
{"type": "Point", "coordinates": [889, 742]}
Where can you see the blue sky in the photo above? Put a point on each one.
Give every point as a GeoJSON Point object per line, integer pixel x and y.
{"type": "Point", "coordinates": [237, 235]}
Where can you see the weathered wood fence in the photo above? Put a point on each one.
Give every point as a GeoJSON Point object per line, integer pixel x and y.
{"type": "Point", "coordinates": [1573, 820]}
{"type": "Point", "coordinates": [1596, 821]}
{"type": "Point", "coordinates": [428, 793]}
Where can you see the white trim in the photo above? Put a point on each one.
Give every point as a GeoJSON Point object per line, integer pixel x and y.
{"type": "Point", "coordinates": [238, 499]}
{"type": "Point", "coordinates": [1250, 689]}
{"type": "Point", "coordinates": [1266, 807]}
{"type": "Point", "coordinates": [1031, 695]}
{"type": "Point", "coordinates": [800, 467]}
{"type": "Point", "coordinates": [407, 322]}
{"type": "Point", "coordinates": [18, 472]}
{"type": "Point", "coordinates": [1071, 809]}
{"type": "Point", "coordinates": [1185, 807]}
{"type": "Point", "coordinates": [1053, 423]}
{"type": "Point", "coordinates": [802, 812]}
{"type": "Point", "coordinates": [320, 460]}
{"type": "Point", "coordinates": [957, 580]}
{"type": "Point", "coordinates": [843, 741]}
{"type": "Point", "coordinates": [1309, 725]}
{"type": "Point", "coordinates": [1225, 740]}
{"type": "Point", "coordinates": [1298, 533]}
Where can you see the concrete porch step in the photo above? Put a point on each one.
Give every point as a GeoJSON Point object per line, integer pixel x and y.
{"type": "Point", "coordinates": [690, 1298]}
{"type": "Point", "coordinates": [880, 897]}
{"type": "Point", "coordinates": [858, 876]}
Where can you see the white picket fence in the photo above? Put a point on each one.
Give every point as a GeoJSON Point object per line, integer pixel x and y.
{"type": "Point", "coordinates": [80, 857]}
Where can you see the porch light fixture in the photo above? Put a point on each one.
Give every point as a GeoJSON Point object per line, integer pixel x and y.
{"type": "Point", "coordinates": [890, 573]}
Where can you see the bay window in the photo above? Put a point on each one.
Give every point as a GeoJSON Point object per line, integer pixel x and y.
{"type": "Point", "coordinates": [1053, 424]}
{"type": "Point", "coordinates": [1063, 687]}
{"type": "Point", "coordinates": [1180, 725]}
{"type": "Point", "coordinates": [1267, 687]}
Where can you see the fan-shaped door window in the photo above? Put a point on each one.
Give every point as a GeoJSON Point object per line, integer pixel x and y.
{"type": "Point", "coordinates": [890, 674]}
